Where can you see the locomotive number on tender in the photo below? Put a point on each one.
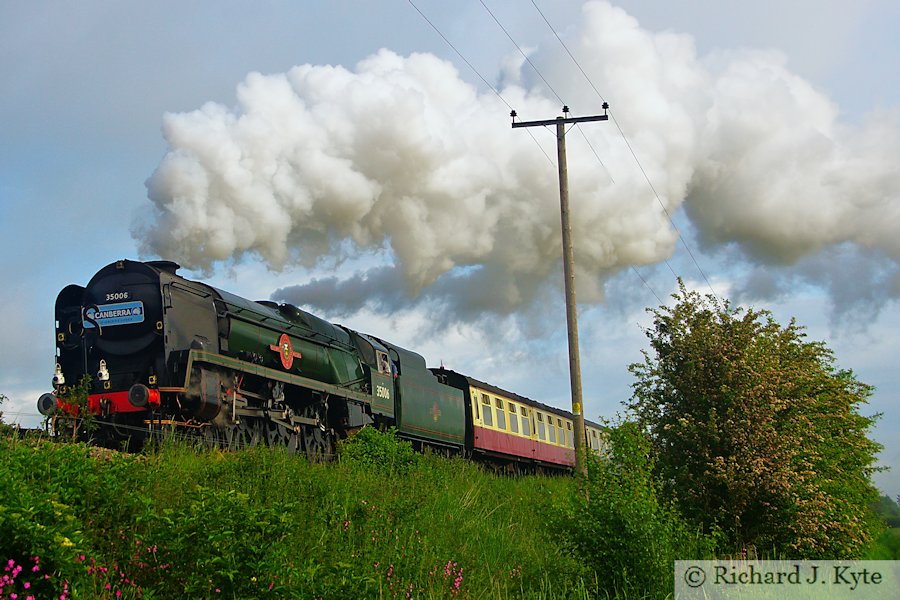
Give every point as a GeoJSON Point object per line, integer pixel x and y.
{"type": "Point", "coordinates": [382, 392]}
{"type": "Point", "coordinates": [118, 296]}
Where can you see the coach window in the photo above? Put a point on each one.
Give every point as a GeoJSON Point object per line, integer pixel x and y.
{"type": "Point", "coordinates": [595, 443]}
{"type": "Point", "coordinates": [501, 416]}
{"type": "Point", "coordinates": [526, 429]}
{"type": "Point", "coordinates": [513, 421]}
{"type": "Point", "coordinates": [551, 429]}
{"type": "Point", "coordinates": [562, 436]}
{"type": "Point", "coordinates": [569, 434]}
{"type": "Point", "coordinates": [540, 426]}
{"type": "Point", "coordinates": [486, 410]}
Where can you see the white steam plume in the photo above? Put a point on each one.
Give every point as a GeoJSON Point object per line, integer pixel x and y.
{"type": "Point", "coordinates": [401, 152]}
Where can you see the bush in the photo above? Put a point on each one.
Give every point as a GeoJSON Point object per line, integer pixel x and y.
{"type": "Point", "coordinates": [57, 503]}
{"type": "Point", "coordinates": [621, 528]}
{"type": "Point", "coordinates": [380, 450]}
{"type": "Point", "coordinates": [215, 541]}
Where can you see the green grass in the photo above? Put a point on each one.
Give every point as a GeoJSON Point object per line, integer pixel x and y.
{"type": "Point", "coordinates": [381, 523]}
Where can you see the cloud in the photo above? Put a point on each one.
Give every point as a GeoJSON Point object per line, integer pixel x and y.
{"type": "Point", "coordinates": [858, 281]}
{"type": "Point", "coordinates": [322, 162]}
{"type": "Point", "coordinates": [468, 294]}
{"type": "Point", "coordinates": [783, 178]}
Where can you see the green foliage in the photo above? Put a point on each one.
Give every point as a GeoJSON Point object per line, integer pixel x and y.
{"type": "Point", "coordinates": [56, 502]}
{"type": "Point", "coordinates": [620, 525]}
{"type": "Point", "coordinates": [885, 547]}
{"type": "Point", "coordinates": [3, 426]}
{"type": "Point", "coordinates": [374, 449]}
{"type": "Point", "coordinates": [260, 523]}
{"type": "Point", "coordinates": [222, 533]}
{"type": "Point", "coordinates": [756, 431]}
{"type": "Point", "coordinates": [78, 418]}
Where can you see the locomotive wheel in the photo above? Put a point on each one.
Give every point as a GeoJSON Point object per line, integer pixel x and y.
{"type": "Point", "coordinates": [318, 442]}
{"type": "Point", "coordinates": [275, 436]}
{"type": "Point", "coordinates": [211, 439]}
{"type": "Point", "coordinates": [234, 437]}
{"type": "Point", "coordinates": [252, 432]}
{"type": "Point", "coordinates": [257, 433]}
{"type": "Point", "coordinates": [279, 435]}
{"type": "Point", "coordinates": [244, 434]}
{"type": "Point", "coordinates": [294, 443]}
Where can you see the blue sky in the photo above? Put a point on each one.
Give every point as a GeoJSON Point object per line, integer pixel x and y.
{"type": "Point", "coordinates": [381, 185]}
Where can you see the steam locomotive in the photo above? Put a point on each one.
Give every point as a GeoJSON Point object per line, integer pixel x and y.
{"type": "Point", "coordinates": [152, 351]}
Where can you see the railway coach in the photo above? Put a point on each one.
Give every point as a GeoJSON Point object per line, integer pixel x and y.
{"type": "Point", "coordinates": [502, 426]}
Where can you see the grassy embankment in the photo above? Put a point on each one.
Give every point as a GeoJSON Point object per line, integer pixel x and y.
{"type": "Point", "coordinates": [382, 522]}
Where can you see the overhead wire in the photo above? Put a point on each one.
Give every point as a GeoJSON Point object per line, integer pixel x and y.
{"type": "Point", "coordinates": [633, 154]}
{"type": "Point", "coordinates": [477, 73]}
{"type": "Point", "coordinates": [550, 87]}
{"type": "Point", "coordinates": [522, 52]}
{"type": "Point", "coordinates": [544, 79]}
{"type": "Point", "coordinates": [558, 97]}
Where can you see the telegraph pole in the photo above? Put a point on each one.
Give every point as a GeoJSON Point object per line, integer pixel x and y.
{"type": "Point", "coordinates": [569, 272]}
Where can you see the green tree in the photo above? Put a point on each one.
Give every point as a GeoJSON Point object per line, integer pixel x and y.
{"type": "Point", "coordinates": [3, 399]}
{"type": "Point", "coordinates": [756, 431]}
{"type": "Point", "coordinates": [888, 510]}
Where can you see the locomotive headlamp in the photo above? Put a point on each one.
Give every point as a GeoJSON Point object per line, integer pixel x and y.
{"type": "Point", "coordinates": [140, 396]}
{"type": "Point", "coordinates": [47, 404]}
{"type": "Point", "coordinates": [103, 373]}
{"type": "Point", "coordinates": [58, 377]}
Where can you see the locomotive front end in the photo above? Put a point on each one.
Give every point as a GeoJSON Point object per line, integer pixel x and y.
{"type": "Point", "coordinates": [110, 344]}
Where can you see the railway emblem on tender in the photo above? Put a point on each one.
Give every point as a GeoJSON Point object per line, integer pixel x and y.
{"type": "Point", "coordinates": [285, 350]}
